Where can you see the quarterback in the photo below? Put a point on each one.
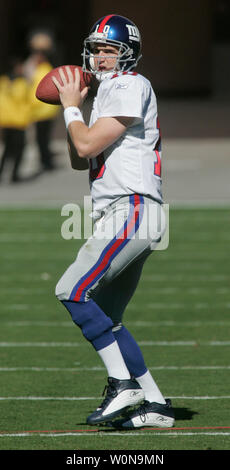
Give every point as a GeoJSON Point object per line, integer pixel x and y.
{"type": "Point", "coordinates": [121, 148]}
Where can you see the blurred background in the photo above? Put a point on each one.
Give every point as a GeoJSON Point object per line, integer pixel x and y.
{"type": "Point", "coordinates": [185, 332]}
{"type": "Point", "coordinates": [186, 56]}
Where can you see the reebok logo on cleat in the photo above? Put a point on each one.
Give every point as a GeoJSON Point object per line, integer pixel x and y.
{"type": "Point", "coordinates": [133, 394]}
{"type": "Point", "coordinates": [161, 418]}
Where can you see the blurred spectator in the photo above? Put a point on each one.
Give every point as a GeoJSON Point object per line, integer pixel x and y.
{"type": "Point", "coordinates": [14, 116]}
{"type": "Point", "coordinates": [38, 64]}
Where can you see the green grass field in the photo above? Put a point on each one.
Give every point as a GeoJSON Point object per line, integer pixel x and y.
{"type": "Point", "coordinates": [51, 378]}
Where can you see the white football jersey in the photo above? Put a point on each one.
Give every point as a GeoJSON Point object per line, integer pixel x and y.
{"type": "Point", "coordinates": [133, 163]}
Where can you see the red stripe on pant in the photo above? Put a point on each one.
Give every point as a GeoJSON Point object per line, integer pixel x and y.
{"type": "Point", "coordinates": [113, 248]}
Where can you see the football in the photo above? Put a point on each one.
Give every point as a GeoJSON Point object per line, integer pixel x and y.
{"type": "Point", "coordinates": [47, 90]}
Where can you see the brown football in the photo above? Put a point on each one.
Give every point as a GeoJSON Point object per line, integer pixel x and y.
{"type": "Point", "coordinates": [47, 90]}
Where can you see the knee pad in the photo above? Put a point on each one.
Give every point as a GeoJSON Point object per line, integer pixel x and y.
{"type": "Point", "coordinates": [93, 322]}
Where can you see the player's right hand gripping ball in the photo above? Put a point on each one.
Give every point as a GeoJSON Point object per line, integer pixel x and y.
{"type": "Point", "coordinates": [48, 92]}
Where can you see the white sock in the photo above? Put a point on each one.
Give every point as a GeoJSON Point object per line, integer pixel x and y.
{"type": "Point", "coordinates": [114, 362]}
{"type": "Point", "coordinates": [150, 388]}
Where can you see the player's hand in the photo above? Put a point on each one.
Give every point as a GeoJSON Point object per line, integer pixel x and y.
{"type": "Point", "coordinates": [69, 91]}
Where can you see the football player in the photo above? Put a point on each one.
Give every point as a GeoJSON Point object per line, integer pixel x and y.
{"type": "Point", "coordinates": [121, 147]}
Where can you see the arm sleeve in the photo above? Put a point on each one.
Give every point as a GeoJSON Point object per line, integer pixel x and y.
{"type": "Point", "coordinates": [122, 96]}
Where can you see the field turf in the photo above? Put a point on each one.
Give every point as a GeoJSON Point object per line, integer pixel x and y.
{"type": "Point", "coordinates": [51, 378]}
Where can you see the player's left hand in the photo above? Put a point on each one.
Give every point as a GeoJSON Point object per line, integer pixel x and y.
{"type": "Point", "coordinates": [69, 91]}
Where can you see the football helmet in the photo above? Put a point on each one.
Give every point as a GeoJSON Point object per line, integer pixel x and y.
{"type": "Point", "coordinates": [117, 31]}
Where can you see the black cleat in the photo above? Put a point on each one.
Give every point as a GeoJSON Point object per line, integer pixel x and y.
{"type": "Point", "coordinates": [149, 414]}
{"type": "Point", "coordinates": [120, 395]}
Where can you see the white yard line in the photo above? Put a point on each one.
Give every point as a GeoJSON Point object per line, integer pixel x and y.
{"type": "Point", "coordinates": [160, 290]}
{"type": "Point", "coordinates": [100, 368]}
{"type": "Point", "coordinates": [40, 345]}
{"type": "Point", "coordinates": [149, 306]}
{"type": "Point", "coordinates": [30, 398]}
{"type": "Point", "coordinates": [180, 277]}
{"type": "Point", "coordinates": [49, 398]}
{"type": "Point", "coordinates": [29, 237]}
{"type": "Point", "coordinates": [146, 277]}
{"type": "Point", "coordinates": [35, 344]}
{"type": "Point", "coordinates": [116, 433]}
{"type": "Point", "coordinates": [138, 323]}
{"type": "Point", "coordinates": [179, 306]}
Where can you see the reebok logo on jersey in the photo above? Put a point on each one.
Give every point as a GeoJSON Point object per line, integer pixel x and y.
{"type": "Point", "coordinates": [121, 86]}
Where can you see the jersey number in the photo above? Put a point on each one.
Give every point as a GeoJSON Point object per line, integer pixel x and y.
{"type": "Point", "coordinates": [157, 150]}
{"type": "Point", "coordinates": [157, 164]}
{"type": "Point", "coordinates": [97, 167]}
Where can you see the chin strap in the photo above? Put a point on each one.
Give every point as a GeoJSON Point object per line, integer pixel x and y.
{"type": "Point", "coordinates": [100, 76]}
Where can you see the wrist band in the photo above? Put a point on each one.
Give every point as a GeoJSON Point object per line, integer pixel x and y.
{"type": "Point", "coordinates": [72, 113]}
